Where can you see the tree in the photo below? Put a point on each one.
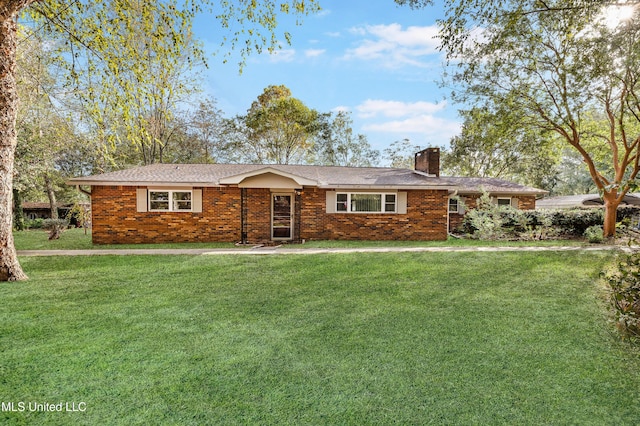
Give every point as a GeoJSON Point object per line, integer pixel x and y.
{"type": "Point", "coordinates": [401, 154]}
{"type": "Point", "coordinates": [205, 132]}
{"type": "Point", "coordinates": [80, 22]}
{"type": "Point", "coordinates": [277, 129]}
{"type": "Point", "coordinates": [336, 145]}
{"type": "Point", "coordinates": [492, 143]}
{"type": "Point", "coordinates": [568, 70]}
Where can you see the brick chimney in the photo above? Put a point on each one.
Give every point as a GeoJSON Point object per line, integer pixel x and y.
{"type": "Point", "coordinates": [428, 161]}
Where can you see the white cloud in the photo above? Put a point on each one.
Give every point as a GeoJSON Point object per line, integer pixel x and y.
{"type": "Point", "coordinates": [423, 124]}
{"type": "Point", "coordinates": [393, 45]}
{"type": "Point", "coordinates": [393, 109]}
{"type": "Point", "coordinates": [314, 53]}
{"type": "Point", "coordinates": [407, 118]}
{"type": "Point", "coordinates": [283, 55]}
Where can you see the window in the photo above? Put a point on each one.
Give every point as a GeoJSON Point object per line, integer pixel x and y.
{"type": "Point", "coordinates": [366, 203]}
{"type": "Point", "coordinates": [166, 201]}
{"type": "Point", "coordinates": [453, 205]}
{"type": "Point", "coordinates": [504, 202]}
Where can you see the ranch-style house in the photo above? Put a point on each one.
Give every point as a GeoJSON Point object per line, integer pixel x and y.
{"type": "Point", "coordinates": [253, 203]}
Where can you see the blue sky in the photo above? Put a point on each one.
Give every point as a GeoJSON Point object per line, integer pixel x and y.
{"type": "Point", "coordinates": [370, 57]}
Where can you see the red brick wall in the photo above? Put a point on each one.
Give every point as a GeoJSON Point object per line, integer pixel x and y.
{"type": "Point", "coordinates": [426, 219]}
{"type": "Point", "coordinates": [116, 220]}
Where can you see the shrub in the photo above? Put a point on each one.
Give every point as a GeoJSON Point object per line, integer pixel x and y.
{"type": "Point", "coordinates": [485, 222]}
{"type": "Point", "coordinates": [624, 290]}
{"type": "Point", "coordinates": [576, 221]}
{"type": "Point", "coordinates": [594, 234]}
{"type": "Point", "coordinates": [34, 223]}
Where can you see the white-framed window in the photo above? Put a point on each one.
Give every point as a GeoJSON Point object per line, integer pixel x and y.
{"type": "Point", "coordinates": [506, 202]}
{"type": "Point", "coordinates": [454, 205]}
{"type": "Point", "coordinates": [170, 201]}
{"type": "Point", "coordinates": [366, 202]}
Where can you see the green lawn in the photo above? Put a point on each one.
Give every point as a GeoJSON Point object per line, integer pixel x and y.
{"type": "Point", "coordinates": [75, 239]}
{"type": "Point", "coordinates": [349, 339]}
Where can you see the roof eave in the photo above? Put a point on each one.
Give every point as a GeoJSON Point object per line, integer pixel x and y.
{"type": "Point", "coordinates": [395, 187]}
{"type": "Point", "coordinates": [89, 182]}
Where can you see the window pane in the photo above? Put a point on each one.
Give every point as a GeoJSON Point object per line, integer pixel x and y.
{"type": "Point", "coordinates": [158, 200]}
{"type": "Point", "coordinates": [453, 205]}
{"type": "Point", "coordinates": [390, 203]}
{"type": "Point", "coordinates": [182, 200]}
{"type": "Point", "coordinates": [504, 201]}
{"type": "Point", "coordinates": [159, 205]}
{"type": "Point", "coordinates": [182, 195]}
{"type": "Point", "coordinates": [159, 195]}
{"type": "Point", "coordinates": [366, 202]}
{"type": "Point", "coordinates": [341, 202]}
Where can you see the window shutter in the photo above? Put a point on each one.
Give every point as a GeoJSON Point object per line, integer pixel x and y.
{"type": "Point", "coordinates": [402, 202]}
{"type": "Point", "coordinates": [462, 205]}
{"type": "Point", "coordinates": [141, 196]}
{"type": "Point", "coordinates": [196, 207]}
{"type": "Point", "coordinates": [331, 201]}
{"type": "Point", "coordinates": [515, 203]}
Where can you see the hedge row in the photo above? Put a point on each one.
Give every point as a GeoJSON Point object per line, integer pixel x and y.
{"type": "Point", "coordinates": [509, 223]}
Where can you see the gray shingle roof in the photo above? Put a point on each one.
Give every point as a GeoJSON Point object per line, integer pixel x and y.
{"type": "Point", "coordinates": [324, 176]}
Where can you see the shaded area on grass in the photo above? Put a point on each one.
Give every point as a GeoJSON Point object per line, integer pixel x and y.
{"type": "Point", "coordinates": [412, 338]}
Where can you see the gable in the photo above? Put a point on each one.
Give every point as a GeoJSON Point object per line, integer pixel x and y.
{"type": "Point", "coordinates": [269, 180]}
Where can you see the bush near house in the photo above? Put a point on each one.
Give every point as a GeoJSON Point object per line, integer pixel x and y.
{"type": "Point", "coordinates": [623, 280]}
{"type": "Point", "coordinates": [491, 222]}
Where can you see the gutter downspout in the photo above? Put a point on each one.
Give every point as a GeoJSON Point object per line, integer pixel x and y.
{"type": "Point", "coordinates": [455, 194]}
{"type": "Point", "coordinates": [84, 191]}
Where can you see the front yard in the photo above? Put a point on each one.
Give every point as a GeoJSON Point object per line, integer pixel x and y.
{"type": "Point", "coordinates": [412, 338]}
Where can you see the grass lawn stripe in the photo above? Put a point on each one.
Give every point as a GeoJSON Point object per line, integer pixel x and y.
{"type": "Point", "coordinates": [407, 338]}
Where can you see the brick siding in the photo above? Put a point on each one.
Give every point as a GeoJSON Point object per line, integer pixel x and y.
{"type": "Point", "coordinates": [116, 220]}
{"type": "Point", "coordinates": [426, 219]}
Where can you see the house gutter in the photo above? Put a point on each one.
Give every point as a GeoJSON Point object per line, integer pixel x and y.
{"type": "Point", "coordinates": [84, 191]}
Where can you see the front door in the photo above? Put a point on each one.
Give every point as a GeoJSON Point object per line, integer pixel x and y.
{"type": "Point", "coordinates": [281, 216]}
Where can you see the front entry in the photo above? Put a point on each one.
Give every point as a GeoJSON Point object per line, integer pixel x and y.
{"type": "Point", "coordinates": [281, 216]}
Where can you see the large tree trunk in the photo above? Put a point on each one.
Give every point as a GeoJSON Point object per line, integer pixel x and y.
{"type": "Point", "coordinates": [10, 269]}
{"type": "Point", "coordinates": [611, 203]}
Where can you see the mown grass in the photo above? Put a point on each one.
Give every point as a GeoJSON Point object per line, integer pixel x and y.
{"type": "Point", "coordinates": [350, 339]}
{"type": "Point", "coordinates": [75, 239]}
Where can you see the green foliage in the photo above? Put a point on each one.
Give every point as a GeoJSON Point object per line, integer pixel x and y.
{"type": "Point", "coordinates": [81, 214]}
{"type": "Point", "coordinates": [493, 143]}
{"type": "Point", "coordinates": [623, 280]}
{"type": "Point", "coordinates": [277, 129]}
{"type": "Point", "coordinates": [336, 145]}
{"type": "Point", "coordinates": [401, 154]}
{"type": "Point", "coordinates": [34, 223]}
{"type": "Point", "coordinates": [562, 68]}
{"type": "Point", "coordinates": [135, 64]}
{"type": "Point", "coordinates": [490, 222]}
{"type": "Point", "coordinates": [594, 234]}
{"type": "Point", "coordinates": [486, 219]}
